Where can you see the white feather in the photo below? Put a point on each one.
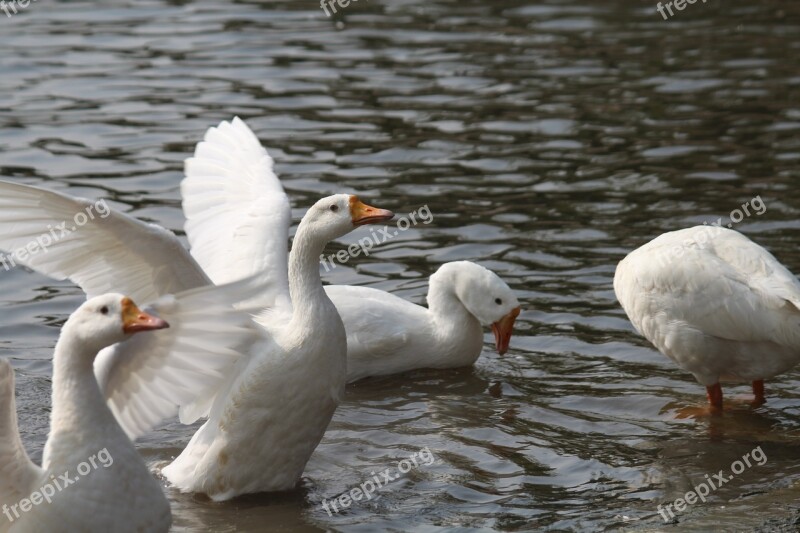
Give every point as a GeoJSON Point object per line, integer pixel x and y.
{"type": "Point", "coordinates": [237, 213]}
{"type": "Point", "coordinates": [18, 475]}
{"type": "Point", "coordinates": [151, 377]}
{"type": "Point", "coordinates": [113, 254]}
{"type": "Point", "coordinates": [714, 302]}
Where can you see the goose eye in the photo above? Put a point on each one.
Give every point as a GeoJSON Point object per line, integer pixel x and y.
{"type": "Point", "coordinates": [334, 208]}
{"type": "Point", "coordinates": [104, 310]}
{"type": "Point", "coordinates": [498, 301]}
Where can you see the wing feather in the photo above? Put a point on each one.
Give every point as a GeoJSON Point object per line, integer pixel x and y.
{"type": "Point", "coordinates": [237, 213]}
{"type": "Point", "coordinates": [151, 377]}
{"type": "Point", "coordinates": [112, 253]}
{"type": "Point", "coordinates": [714, 280]}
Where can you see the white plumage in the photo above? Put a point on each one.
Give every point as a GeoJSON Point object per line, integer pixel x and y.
{"type": "Point", "coordinates": [268, 409]}
{"type": "Point", "coordinates": [388, 335]}
{"type": "Point", "coordinates": [238, 216]}
{"type": "Point", "coordinates": [147, 378]}
{"type": "Point", "coordinates": [272, 412]}
{"type": "Point", "coordinates": [716, 303]}
{"type": "Point", "coordinates": [92, 478]}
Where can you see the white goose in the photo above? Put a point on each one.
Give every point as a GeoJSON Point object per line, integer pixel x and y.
{"type": "Point", "coordinates": [86, 443]}
{"type": "Point", "coordinates": [389, 335]}
{"type": "Point", "coordinates": [265, 424]}
{"type": "Point", "coordinates": [267, 411]}
{"type": "Point", "coordinates": [236, 206]}
{"type": "Point", "coordinates": [716, 303]}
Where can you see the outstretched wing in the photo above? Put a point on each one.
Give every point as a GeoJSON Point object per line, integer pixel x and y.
{"type": "Point", "coordinates": [147, 378]}
{"type": "Point", "coordinates": [18, 475]}
{"type": "Point", "coordinates": [237, 213]}
{"type": "Point", "coordinates": [110, 252]}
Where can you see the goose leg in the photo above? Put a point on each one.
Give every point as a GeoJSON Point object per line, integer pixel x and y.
{"type": "Point", "coordinates": [758, 392]}
{"type": "Point", "coordinates": [714, 393]}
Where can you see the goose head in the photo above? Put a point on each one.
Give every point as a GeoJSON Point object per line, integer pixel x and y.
{"type": "Point", "coordinates": [336, 216]}
{"type": "Point", "coordinates": [107, 320]}
{"type": "Point", "coordinates": [485, 296]}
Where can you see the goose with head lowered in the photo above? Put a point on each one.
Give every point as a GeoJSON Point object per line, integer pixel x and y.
{"type": "Point", "coordinates": [716, 303]}
{"type": "Point", "coordinates": [389, 335]}
{"type": "Point", "coordinates": [229, 183]}
{"type": "Point", "coordinates": [92, 478]}
{"type": "Point", "coordinates": [268, 410]}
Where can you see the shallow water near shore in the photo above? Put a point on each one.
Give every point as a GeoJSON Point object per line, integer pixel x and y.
{"type": "Point", "coordinates": [547, 140]}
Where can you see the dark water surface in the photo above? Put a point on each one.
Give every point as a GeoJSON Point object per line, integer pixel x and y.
{"type": "Point", "coordinates": [548, 139]}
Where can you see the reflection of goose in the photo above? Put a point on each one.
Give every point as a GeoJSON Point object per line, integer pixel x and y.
{"type": "Point", "coordinates": [716, 303]}
{"type": "Point", "coordinates": [388, 335]}
{"type": "Point", "coordinates": [116, 491]}
{"type": "Point", "coordinates": [385, 334]}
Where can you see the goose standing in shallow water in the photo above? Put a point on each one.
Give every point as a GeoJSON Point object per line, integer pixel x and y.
{"type": "Point", "coordinates": [389, 335]}
{"type": "Point", "coordinates": [117, 493]}
{"type": "Point", "coordinates": [716, 303]}
{"type": "Point", "coordinates": [265, 423]}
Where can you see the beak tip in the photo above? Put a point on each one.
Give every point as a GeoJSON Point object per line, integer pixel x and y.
{"type": "Point", "coordinates": [503, 330]}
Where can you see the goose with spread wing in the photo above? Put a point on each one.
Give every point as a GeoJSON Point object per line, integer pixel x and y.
{"type": "Point", "coordinates": [266, 411]}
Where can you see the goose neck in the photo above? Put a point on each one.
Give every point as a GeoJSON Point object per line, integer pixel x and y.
{"type": "Point", "coordinates": [305, 283]}
{"type": "Point", "coordinates": [76, 394]}
{"type": "Point", "coordinates": [444, 303]}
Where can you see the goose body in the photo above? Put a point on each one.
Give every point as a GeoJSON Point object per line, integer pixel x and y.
{"type": "Point", "coordinates": [389, 335]}
{"type": "Point", "coordinates": [717, 304]}
{"type": "Point", "coordinates": [276, 409]}
{"type": "Point", "coordinates": [95, 478]}
{"type": "Point", "coordinates": [266, 421]}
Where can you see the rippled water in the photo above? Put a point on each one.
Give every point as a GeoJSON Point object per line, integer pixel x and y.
{"type": "Point", "coordinates": [548, 140]}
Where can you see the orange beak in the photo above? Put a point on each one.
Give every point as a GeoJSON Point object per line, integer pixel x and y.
{"type": "Point", "coordinates": [134, 320]}
{"type": "Point", "coordinates": [503, 329]}
{"type": "Point", "coordinates": [362, 213]}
